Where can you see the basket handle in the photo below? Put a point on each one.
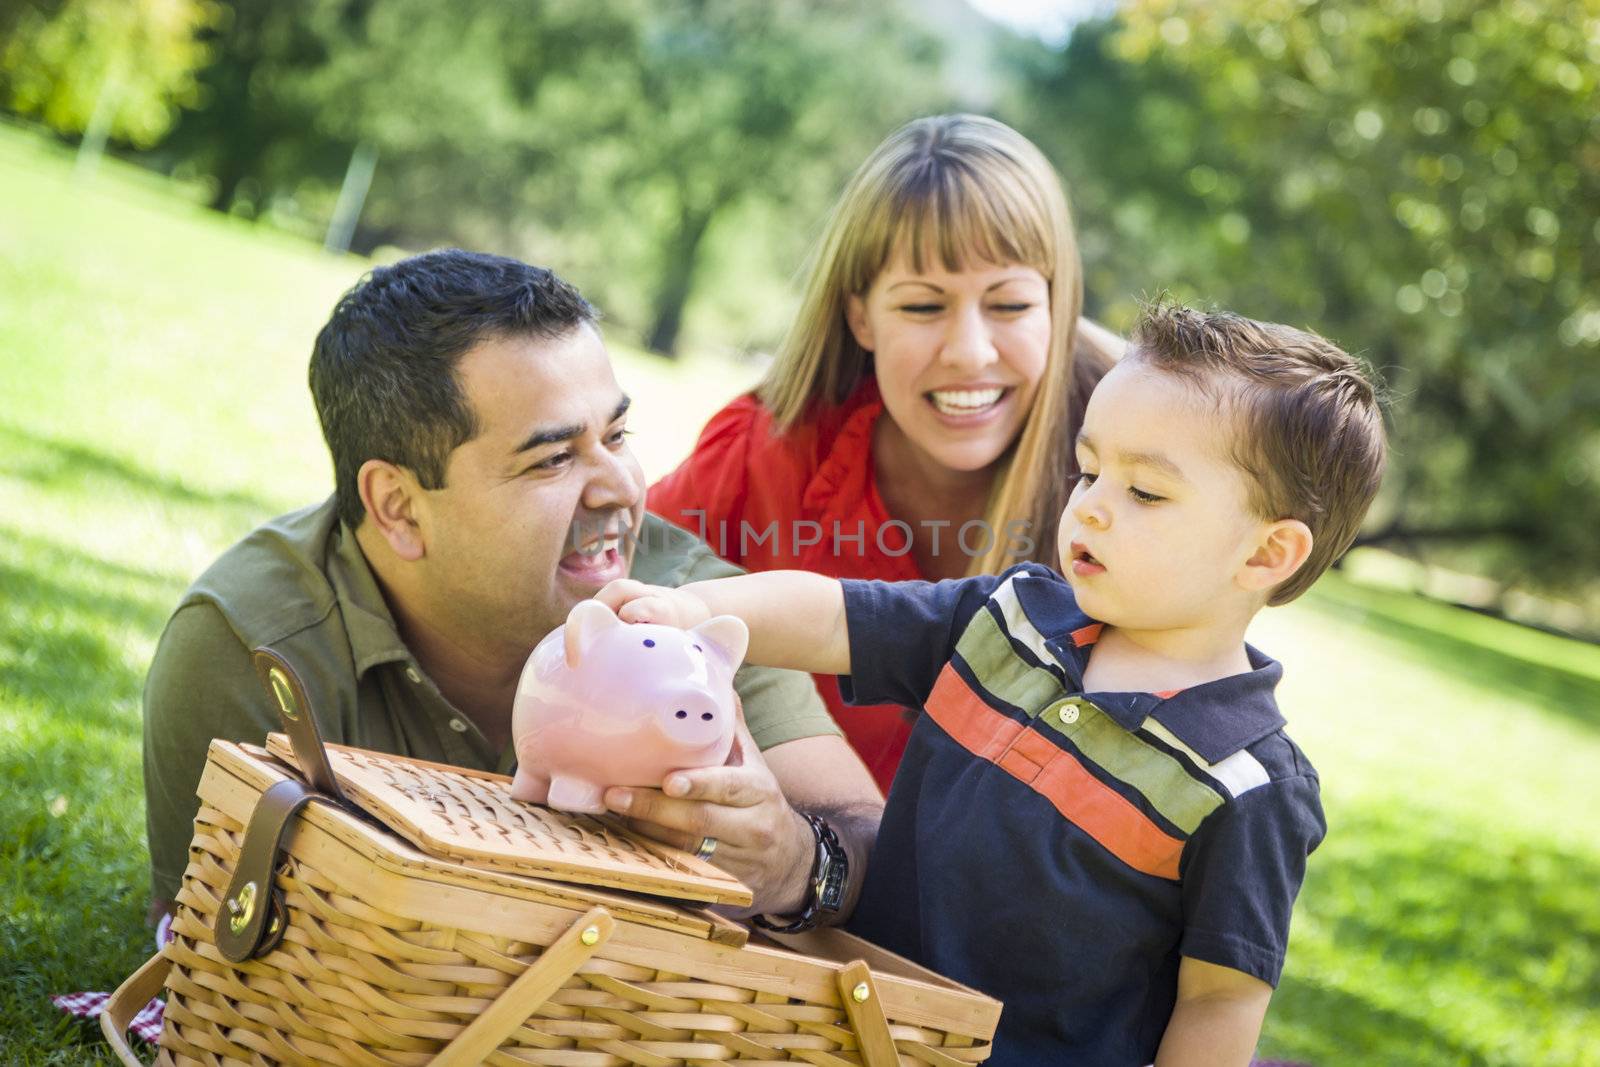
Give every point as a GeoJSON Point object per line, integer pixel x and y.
{"type": "Point", "coordinates": [864, 1007]}
{"type": "Point", "coordinates": [129, 999]}
{"type": "Point", "coordinates": [532, 988]}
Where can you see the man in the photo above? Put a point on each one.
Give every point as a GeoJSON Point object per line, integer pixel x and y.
{"type": "Point", "coordinates": [483, 486]}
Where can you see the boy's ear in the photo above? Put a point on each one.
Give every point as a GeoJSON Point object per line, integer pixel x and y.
{"type": "Point", "coordinates": [391, 496]}
{"type": "Point", "coordinates": [1284, 548]}
{"type": "Point", "coordinates": [855, 315]}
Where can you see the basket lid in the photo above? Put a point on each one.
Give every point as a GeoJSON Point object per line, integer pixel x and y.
{"type": "Point", "coordinates": [469, 816]}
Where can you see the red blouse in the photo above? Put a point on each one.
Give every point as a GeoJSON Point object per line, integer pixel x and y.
{"type": "Point", "coordinates": [805, 501]}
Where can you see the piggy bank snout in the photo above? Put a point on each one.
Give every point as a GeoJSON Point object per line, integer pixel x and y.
{"type": "Point", "coordinates": [693, 718]}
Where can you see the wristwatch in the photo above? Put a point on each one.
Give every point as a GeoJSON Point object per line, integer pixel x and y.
{"type": "Point", "coordinates": [830, 873]}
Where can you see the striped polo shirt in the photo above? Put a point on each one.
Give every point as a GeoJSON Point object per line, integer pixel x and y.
{"type": "Point", "coordinates": [1061, 850]}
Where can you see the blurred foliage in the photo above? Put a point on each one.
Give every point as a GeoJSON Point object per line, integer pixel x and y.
{"type": "Point", "coordinates": [610, 138]}
{"type": "Point", "coordinates": [61, 59]}
{"type": "Point", "coordinates": [1417, 180]}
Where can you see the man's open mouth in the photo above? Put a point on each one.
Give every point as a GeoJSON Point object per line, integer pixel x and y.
{"type": "Point", "coordinates": [594, 571]}
{"type": "Point", "coordinates": [597, 544]}
{"type": "Point", "coordinates": [597, 558]}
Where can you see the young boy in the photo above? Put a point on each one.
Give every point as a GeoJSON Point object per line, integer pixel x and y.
{"type": "Point", "coordinates": [1099, 819]}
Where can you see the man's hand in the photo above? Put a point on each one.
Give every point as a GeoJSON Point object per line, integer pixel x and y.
{"type": "Point", "coordinates": [761, 840]}
{"type": "Point", "coordinates": [637, 602]}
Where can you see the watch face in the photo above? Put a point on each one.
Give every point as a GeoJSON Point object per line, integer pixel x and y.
{"type": "Point", "coordinates": [830, 895]}
{"type": "Point", "coordinates": [834, 869]}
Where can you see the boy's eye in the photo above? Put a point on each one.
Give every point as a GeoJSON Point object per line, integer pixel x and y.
{"type": "Point", "coordinates": [1143, 497]}
{"type": "Point", "coordinates": [617, 436]}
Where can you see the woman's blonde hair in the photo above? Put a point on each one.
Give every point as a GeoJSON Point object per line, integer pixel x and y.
{"type": "Point", "coordinates": [969, 190]}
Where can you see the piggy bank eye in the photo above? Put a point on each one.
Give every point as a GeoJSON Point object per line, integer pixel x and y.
{"type": "Point", "coordinates": [681, 714]}
{"type": "Point", "coordinates": [648, 643]}
{"type": "Point", "coordinates": [706, 715]}
{"type": "Point", "coordinates": [697, 648]}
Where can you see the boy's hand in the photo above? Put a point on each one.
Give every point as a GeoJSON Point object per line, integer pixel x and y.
{"type": "Point", "coordinates": [637, 602]}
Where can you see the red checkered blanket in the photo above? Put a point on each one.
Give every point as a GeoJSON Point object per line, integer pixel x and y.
{"type": "Point", "coordinates": [147, 1024]}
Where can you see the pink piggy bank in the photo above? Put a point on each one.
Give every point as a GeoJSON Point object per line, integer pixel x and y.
{"type": "Point", "coordinates": [602, 702]}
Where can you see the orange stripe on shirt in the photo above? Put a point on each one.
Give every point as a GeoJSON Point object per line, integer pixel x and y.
{"type": "Point", "coordinates": [1097, 809]}
{"type": "Point", "coordinates": [1087, 635]}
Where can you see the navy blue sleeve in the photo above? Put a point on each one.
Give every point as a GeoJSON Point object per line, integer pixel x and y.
{"type": "Point", "coordinates": [903, 633]}
{"type": "Point", "coordinates": [1241, 872]}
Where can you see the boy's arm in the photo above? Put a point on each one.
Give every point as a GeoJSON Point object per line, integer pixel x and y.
{"type": "Point", "coordinates": [796, 618]}
{"type": "Point", "coordinates": [1217, 1019]}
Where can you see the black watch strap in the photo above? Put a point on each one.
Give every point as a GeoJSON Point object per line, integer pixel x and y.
{"type": "Point", "coordinates": [830, 874]}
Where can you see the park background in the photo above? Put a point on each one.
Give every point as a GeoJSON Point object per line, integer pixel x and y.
{"type": "Point", "coordinates": [186, 186]}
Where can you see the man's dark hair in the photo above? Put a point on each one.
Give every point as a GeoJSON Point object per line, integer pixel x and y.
{"type": "Point", "coordinates": [383, 371]}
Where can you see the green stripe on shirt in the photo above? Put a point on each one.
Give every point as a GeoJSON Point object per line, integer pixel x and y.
{"type": "Point", "coordinates": [1161, 779]}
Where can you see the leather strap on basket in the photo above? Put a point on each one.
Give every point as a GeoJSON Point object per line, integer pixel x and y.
{"type": "Point", "coordinates": [252, 918]}
{"type": "Point", "coordinates": [865, 1009]}
{"type": "Point", "coordinates": [299, 722]}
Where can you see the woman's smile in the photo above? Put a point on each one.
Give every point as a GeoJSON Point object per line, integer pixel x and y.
{"type": "Point", "coordinates": [969, 404]}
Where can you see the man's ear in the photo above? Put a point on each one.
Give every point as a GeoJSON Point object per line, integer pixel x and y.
{"type": "Point", "coordinates": [855, 315]}
{"type": "Point", "coordinates": [1283, 549]}
{"type": "Point", "coordinates": [391, 496]}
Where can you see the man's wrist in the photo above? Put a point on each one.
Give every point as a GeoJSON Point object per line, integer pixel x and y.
{"type": "Point", "coordinates": [825, 886]}
{"type": "Point", "coordinates": [795, 888]}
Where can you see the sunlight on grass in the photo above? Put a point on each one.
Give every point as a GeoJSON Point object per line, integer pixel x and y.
{"type": "Point", "coordinates": [155, 409]}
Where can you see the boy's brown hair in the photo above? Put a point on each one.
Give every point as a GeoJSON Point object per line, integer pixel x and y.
{"type": "Point", "coordinates": [1309, 431]}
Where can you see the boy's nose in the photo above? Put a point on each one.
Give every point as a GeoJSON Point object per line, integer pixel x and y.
{"type": "Point", "coordinates": [1087, 510]}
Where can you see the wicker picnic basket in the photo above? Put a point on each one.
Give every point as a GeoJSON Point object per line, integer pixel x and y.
{"type": "Point", "coordinates": [519, 936]}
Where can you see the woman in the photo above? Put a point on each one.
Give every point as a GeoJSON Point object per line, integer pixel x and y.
{"type": "Point", "coordinates": [919, 417]}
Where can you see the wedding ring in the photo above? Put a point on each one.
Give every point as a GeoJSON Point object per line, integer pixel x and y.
{"type": "Point", "coordinates": [708, 845]}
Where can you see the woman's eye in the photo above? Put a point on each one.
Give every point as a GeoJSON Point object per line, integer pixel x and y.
{"type": "Point", "coordinates": [1012, 309]}
{"type": "Point", "coordinates": [1086, 478]}
{"type": "Point", "coordinates": [921, 309]}
{"type": "Point", "coordinates": [1143, 497]}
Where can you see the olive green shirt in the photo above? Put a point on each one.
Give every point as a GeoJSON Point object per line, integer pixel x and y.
{"type": "Point", "coordinates": [302, 585]}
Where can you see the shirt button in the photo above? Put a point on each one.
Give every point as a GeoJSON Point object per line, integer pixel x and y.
{"type": "Point", "coordinates": [411, 672]}
{"type": "Point", "coordinates": [458, 726]}
{"type": "Point", "coordinates": [1069, 713]}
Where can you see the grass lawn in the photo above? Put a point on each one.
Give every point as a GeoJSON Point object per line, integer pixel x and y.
{"type": "Point", "coordinates": [153, 408]}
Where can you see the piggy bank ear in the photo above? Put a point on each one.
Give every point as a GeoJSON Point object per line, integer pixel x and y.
{"type": "Point", "coordinates": [587, 621]}
{"type": "Point", "coordinates": [728, 633]}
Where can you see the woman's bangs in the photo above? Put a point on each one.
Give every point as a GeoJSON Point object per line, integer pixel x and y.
{"type": "Point", "coordinates": [962, 223]}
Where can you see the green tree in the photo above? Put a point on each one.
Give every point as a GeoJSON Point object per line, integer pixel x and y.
{"type": "Point", "coordinates": [722, 101]}
{"type": "Point", "coordinates": [456, 101]}
{"type": "Point", "coordinates": [134, 63]}
{"type": "Point", "coordinates": [252, 133]}
{"type": "Point", "coordinates": [619, 134]}
{"type": "Point", "coordinates": [1416, 180]}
